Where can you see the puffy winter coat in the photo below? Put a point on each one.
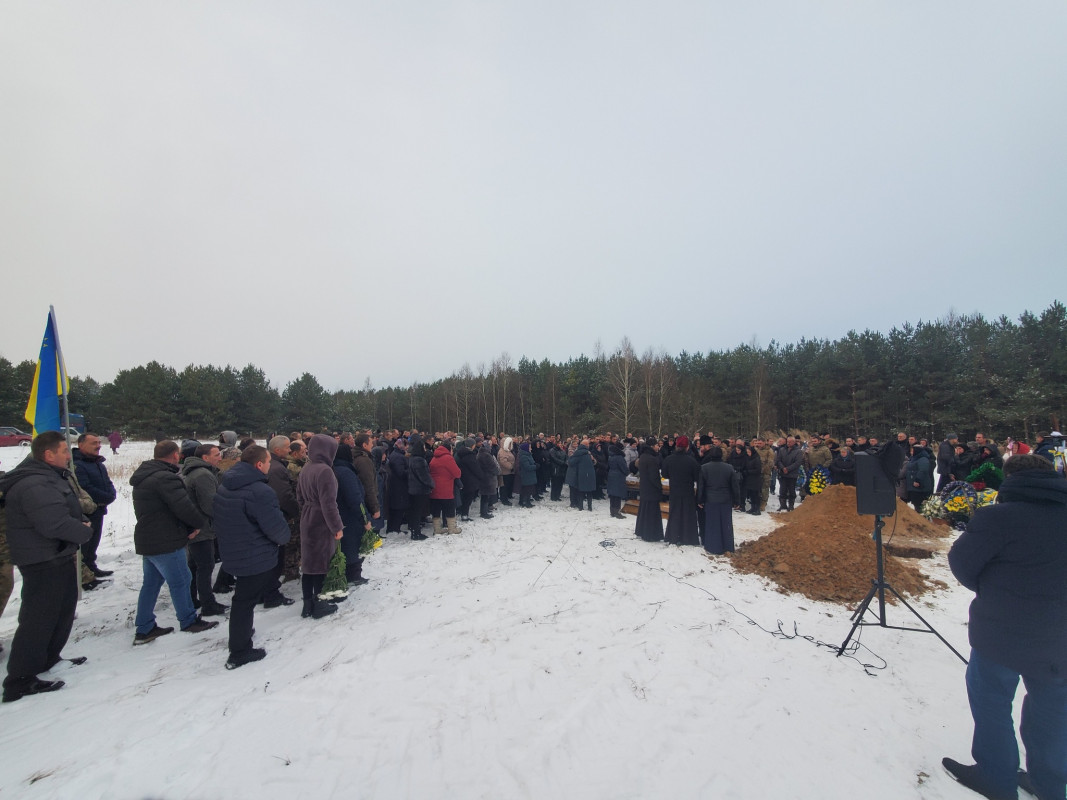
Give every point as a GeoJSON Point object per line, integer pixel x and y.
{"type": "Point", "coordinates": [1013, 555]}
{"type": "Point", "coordinates": [618, 469]}
{"type": "Point", "coordinates": [490, 470]}
{"type": "Point", "coordinates": [202, 482]}
{"type": "Point", "coordinates": [93, 478]}
{"type": "Point", "coordinates": [506, 458]}
{"type": "Point", "coordinates": [443, 471]}
{"type": "Point", "coordinates": [44, 520]}
{"type": "Point", "coordinates": [920, 470]}
{"type": "Point", "coordinates": [165, 513]}
{"type": "Point", "coordinates": [527, 469]}
{"type": "Point", "coordinates": [351, 494]}
{"type": "Point", "coordinates": [248, 521]}
{"type": "Point", "coordinates": [584, 471]}
{"type": "Point", "coordinates": [419, 480]}
{"type": "Point", "coordinates": [471, 472]}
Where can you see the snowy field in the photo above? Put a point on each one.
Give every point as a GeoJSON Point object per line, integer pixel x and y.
{"type": "Point", "coordinates": [546, 653]}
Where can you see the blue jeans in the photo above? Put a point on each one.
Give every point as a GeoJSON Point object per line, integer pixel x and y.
{"type": "Point", "coordinates": [172, 568]}
{"type": "Point", "coordinates": [991, 690]}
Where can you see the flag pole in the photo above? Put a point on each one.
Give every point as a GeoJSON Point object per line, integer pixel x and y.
{"type": "Point", "coordinates": [62, 372]}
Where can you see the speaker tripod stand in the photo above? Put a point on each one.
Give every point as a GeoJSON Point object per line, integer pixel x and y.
{"type": "Point", "coordinates": [879, 586]}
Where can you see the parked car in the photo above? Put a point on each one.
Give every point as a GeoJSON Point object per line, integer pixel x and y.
{"type": "Point", "coordinates": [11, 437]}
{"type": "Point", "coordinates": [72, 436]}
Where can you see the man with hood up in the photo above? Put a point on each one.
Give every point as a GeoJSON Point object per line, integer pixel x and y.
{"type": "Point", "coordinates": [320, 522]}
{"type": "Point", "coordinates": [1013, 556]}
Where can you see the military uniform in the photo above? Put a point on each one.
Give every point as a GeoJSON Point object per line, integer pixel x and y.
{"type": "Point", "coordinates": [766, 455]}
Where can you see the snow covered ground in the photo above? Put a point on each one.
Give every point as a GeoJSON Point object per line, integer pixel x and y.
{"type": "Point", "coordinates": [546, 653]}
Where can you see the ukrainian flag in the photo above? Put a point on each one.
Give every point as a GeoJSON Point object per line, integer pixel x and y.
{"type": "Point", "coordinates": [49, 382]}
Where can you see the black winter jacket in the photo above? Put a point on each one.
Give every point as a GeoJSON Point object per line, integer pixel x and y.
{"type": "Point", "coordinates": [44, 520]}
{"type": "Point", "coordinates": [249, 523]}
{"type": "Point", "coordinates": [93, 478]}
{"type": "Point", "coordinates": [1013, 555]}
{"type": "Point", "coordinates": [202, 482]}
{"type": "Point", "coordinates": [165, 514]}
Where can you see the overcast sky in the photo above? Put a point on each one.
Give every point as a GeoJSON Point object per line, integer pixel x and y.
{"type": "Point", "coordinates": [389, 190]}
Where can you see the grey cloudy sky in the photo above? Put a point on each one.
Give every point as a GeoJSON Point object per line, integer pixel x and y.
{"type": "Point", "coordinates": [403, 187]}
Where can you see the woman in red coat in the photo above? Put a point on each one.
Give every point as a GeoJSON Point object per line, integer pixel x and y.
{"type": "Point", "coordinates": [445, 472]}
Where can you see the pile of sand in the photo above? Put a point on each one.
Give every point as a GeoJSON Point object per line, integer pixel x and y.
{"type": "Point", "coordinates": [825, 551]}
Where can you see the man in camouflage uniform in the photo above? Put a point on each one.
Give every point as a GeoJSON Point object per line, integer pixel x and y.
{"type": "Point", "coordinates": [817, 455]}
{"type": "Point", "coordinates": [766, 456]}
{"type": "Point", "coordinates": [298, 457]}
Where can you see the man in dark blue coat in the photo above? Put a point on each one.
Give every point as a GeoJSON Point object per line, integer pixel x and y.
{"type": "Point", "coordinates": [92, 476]}
{"type": "Point", "coordinates": [1013, 555]}
{"type": "Point", "coordinates": [250, 527]}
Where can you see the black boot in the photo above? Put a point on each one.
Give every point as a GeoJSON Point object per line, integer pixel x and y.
{"type": "Point", "coordinates": [317, 609]}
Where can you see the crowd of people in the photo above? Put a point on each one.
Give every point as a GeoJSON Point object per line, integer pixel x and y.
{"type": "Point", "coordinates": [280, 512]}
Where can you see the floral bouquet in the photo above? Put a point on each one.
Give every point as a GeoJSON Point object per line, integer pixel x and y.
{"type": "Point", "coordinates": [819, 480]}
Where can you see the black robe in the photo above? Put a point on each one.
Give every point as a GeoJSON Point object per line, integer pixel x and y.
{"type": "Point", "coordinates": [682, 470]}
{"type": "Point", "coordinates": [649, 521]}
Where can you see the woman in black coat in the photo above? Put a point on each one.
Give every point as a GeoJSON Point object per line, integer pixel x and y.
{"type": "Point", "coordinates": [557, 457]}
{"type": "Point", "coordinates": [420, 484]}
{"type": "Point", "coordinates": [649, 520]}
{"type": "Point", "coordinates": [488, 485]}
{"type": "Point", "coordinates": [397, 487]}
{"type": "Point", "coordinates": [471, 476]}
{"type": "Point", "coordinates": [617, 473]}
{"type": "Point", "coordinates": [751, 480]}
{"type": "Point", "coordinates": [843, 468]}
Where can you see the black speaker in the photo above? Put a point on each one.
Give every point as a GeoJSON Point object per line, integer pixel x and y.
{"type": "Point", "coordinates": [875, 492]}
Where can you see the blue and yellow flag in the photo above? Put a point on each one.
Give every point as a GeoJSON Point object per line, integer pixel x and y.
{"type": "Point", "coordinates": [49, 382]}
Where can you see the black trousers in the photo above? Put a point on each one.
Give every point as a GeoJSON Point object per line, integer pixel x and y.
{"type": "Point", "coordinates": [467, 498]}
{"type": "Point", "coordinates": [485, 503]}
{"type": "Point", "coordinates": [525, 493]}
{"type": "Point", "coordinates": [49, 597]}
{"type": "Point", "coordinates": [201, 557]}
{"type": "Point", "coordinates": [417, 505]}
{"type": "Point", "coordinates": [96, 524]}
{"type": "Point", "coordinates": [247, 592]}
{"type": "Point", "coordinates": [395, 520]}
{"type": "Point", "coordinates": [509, 487]}
{"type": "Point", "coordinates": [787, 489]}
{"type": "Point", "coordinates": [442, 509]}
{"type": "Point", "coordinates": [557, 487]}
{"type": "Point", "coordinates": [616, 505]}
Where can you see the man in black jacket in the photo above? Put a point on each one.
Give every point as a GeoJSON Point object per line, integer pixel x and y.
{"type": "Point", "coordinates": [1013, 555]}
{"type": "Point", "coordinates": [45, 527]}
{"type": "Point", "coordinates": [787, 464]}
{"type": "Point", "coordinates": [946, 459]}
{"type": "Point", "coordinates": [251, 527]}
{"type": "Point", "coordinates": [92, 476]}
{"type": "Point", "coordinates": [166, 521]}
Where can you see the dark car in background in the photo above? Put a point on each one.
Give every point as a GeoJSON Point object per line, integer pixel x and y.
{"type": "Point", "coordinates": [11, 437]}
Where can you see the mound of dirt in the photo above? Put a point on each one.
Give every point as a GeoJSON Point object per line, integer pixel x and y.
{"type": "Point", "coordinates": [825, 551]}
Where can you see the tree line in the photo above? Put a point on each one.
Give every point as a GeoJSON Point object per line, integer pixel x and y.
{"type": "Point", "coordinates": [963, 373]}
